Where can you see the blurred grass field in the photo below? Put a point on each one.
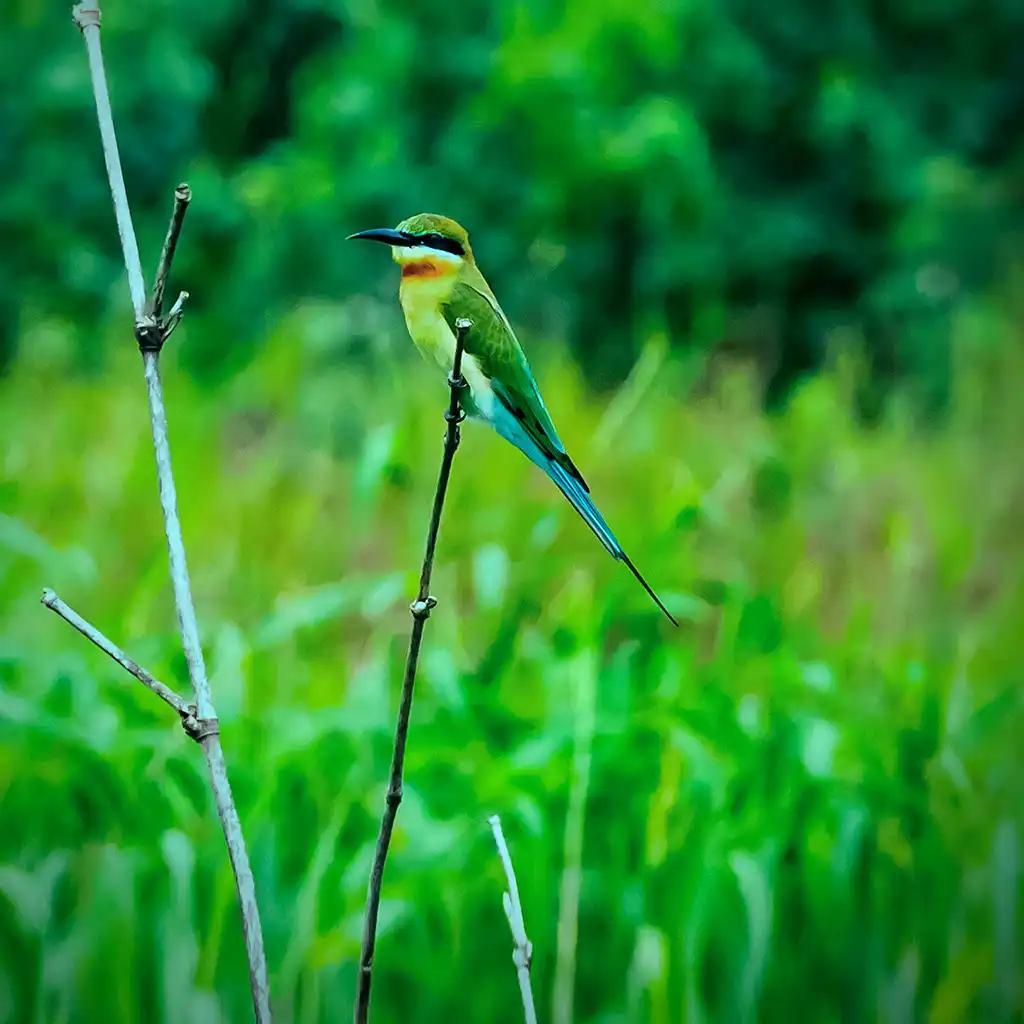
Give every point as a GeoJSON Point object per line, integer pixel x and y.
{"type": "Point", "coordinates": [803, 805]}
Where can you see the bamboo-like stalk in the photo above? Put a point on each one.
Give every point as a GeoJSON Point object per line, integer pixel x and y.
{"type": "Point", "coordinates": [420, 609]}
{"type": "Point", "coordinates": [151, 331]}
{"type": "Point", "coordinates": [522, 948]}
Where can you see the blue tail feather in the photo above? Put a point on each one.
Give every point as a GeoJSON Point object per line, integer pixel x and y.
{"type": "Point", "coordinates": [574, 490]}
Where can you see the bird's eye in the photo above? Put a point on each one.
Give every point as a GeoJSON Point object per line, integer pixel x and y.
{"type": "Point", "coordinates": [438, 241]}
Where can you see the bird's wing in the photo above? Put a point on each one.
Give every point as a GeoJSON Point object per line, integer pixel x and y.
{"type": "Point", "coordinates": [493, 343]}
{"type": "Point", "coordinates": [520, 415]}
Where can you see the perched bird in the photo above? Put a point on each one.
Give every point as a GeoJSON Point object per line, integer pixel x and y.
{"type": "Point", "coordinates": [442, 284]}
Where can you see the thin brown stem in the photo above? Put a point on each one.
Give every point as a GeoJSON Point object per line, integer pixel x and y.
{"type": "Point", "coordinates": [420, 609]}
{"type": "Point", "coordinates": [151, 330]}
{"type": "Point", "coordinates": [182, 197]}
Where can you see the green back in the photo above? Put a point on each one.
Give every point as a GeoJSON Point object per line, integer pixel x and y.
{"type": "Point", "coordinates": [493, 343]}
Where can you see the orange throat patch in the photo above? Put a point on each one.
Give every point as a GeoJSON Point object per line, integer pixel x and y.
{"type": "Point", "coordinates": [423, 268]}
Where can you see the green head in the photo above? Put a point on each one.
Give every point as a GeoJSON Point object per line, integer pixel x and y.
{"type": "Point", "coordinates": [423, 236]}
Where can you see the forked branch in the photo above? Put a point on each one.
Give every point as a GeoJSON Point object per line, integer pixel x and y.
{"type": "Point", "coordinates": [152, 329]}
{"type": "Point", "coordinates": [420, 609]}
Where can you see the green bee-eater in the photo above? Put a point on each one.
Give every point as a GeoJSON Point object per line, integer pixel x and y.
{"type": "Point", "coordinates": [442, 284]}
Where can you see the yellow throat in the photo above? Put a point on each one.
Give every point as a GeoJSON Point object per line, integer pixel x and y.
{"type": "Point", "coordinates": [427, 282]}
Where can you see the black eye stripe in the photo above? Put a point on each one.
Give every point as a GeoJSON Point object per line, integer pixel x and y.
{"type": "Point", "coordinates": [436, 241]}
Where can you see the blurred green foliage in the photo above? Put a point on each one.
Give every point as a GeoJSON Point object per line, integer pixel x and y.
{"type": "Point", "coordinates": [810, 795]}
{"type": "Point", "coordinates": [807, 803]}
{"type": "Point", "coordinates": [757, 176]}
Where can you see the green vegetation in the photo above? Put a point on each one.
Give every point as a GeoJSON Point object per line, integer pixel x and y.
{"type": "Point", "coordinates": [811, 791]}
{"type": "Point", "coordinates": [721, 170]}
{"type": "Point", "coordinates": [806, 803]}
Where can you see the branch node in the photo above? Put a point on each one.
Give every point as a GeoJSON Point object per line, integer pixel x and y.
{"type": "Point", "coordinates": [86, 15]}
{"type": "Point", "coordinates": [455, 417]}
{"type": "Point", "coordinates": [149, 333]}
{"type": "Point", "coordinates": [199, 729]}
{"type": "Point", "coordinates": [422, 607]}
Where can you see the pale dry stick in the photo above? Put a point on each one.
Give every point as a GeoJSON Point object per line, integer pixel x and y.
{"type": "Point", "coordinates": [522, 948]}
{"type": "Point", "coordinates": [186, 712]}
{"type": "Point", "coordinates": [420, 609]}
{"type": "Point", "coordinates": [108, 647]}
{"type": "Point", "coordinates": [151, 331]}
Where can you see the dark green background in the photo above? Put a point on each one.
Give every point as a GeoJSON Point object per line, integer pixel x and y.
{"type": "Point", "coordinates": [765, 259]}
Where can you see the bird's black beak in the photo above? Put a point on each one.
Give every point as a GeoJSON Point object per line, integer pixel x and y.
{"type": "Point", "coordinates": [389, 236]}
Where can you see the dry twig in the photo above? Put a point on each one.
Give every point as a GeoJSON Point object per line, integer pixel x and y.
{"type": "Point", "coordinates": [522, 948]}
{"type": "Point", "coordinates": [151, 331]}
